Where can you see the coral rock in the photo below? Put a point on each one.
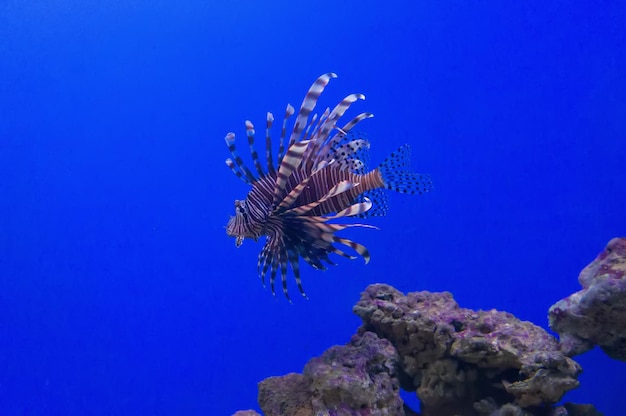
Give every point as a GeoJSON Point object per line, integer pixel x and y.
{"type": "Point", "coordinates": [596, 315]}
{"type": "Point", "coordinates": [455, 357]}
{"type": "Point", "coordinates": [354, 379]}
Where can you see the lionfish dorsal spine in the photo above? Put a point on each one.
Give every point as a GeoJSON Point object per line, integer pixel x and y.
{"type": "Point", "coordinates": [268, 143]}
{"type": "Point", "coordinates": [289, 163]}
{"type": "Point", "coordinates": [334, 141]}
{"type": "Point", "coordinates": [308, 104]}
{"type": "Point", "coordinates": [321, 138]}
{"type": "Point", "coordinates": [255, 156]}
{"type": "Point", "coordinates": [313, 148]}
{"type": "Point", "coordinates": [238, 167]}
{"type": "Point", "coordinates": [336, 114]}
{"type": "Point", "coordinates": [283, 133]}
{"type": "Point", "coordinates": [309, 126]}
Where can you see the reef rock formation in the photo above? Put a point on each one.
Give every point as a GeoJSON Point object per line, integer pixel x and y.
{"type": "Point", "coordinates": [359, 378]}
{"type": "Point", "coordinates": [596, 315]}
{"type": "Point", "coordinates": [458, 361]}
{"type": "Point", "coordinates": [455, 358]}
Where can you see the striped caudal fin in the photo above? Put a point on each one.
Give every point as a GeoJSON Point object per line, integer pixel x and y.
{"type": "Point", "coordinates": [255, 155]}
{"type": "Point", "coordinates": [308, 104]}
{"type": "Point", "coordinates": [238, 167]}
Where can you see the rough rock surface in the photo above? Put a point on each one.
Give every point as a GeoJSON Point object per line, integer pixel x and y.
{"type": "Point", "coordinates": [359, 378]}
{"type": "Point", "coordinates": [596, 315]}
{"type": "Point", "coordinates": [455, 357]}
{"type": "Point", "coordinates": [489, 408]}
{"type": "Point", "coordinates": [246, 413]}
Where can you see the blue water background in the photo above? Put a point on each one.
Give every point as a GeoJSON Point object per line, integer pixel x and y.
{"type": "Point", "coordinates": [120, 293]}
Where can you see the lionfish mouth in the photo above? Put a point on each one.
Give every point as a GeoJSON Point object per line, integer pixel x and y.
{"type": "Point", "coordinates": [230, 231]}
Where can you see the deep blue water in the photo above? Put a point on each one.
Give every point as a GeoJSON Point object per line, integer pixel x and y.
{"type": "Point", "coordinates": [120, 293]}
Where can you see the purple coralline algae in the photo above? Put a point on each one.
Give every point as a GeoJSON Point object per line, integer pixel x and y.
{"type": "Point", "coordinates": [358, 379]}
{"type": "Point", "coordinates": [456, 358]}
{"type": "Point", "coordinates": [596, 315]}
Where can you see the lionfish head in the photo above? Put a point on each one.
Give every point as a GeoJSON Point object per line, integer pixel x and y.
{"type": "Point", "coordinates": [239, 225]}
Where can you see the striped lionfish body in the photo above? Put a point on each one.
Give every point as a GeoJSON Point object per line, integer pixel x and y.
{"type": "Point", "coordinates": [320, 176]}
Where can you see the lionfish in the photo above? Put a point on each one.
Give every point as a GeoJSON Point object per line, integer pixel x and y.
{"type": "Point", "coordinates": [320, 176]}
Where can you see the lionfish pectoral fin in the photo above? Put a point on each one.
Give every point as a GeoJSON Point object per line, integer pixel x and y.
{"type": "Point", "coordinates": [308, 104]}
{"type": "Point", "coordinates": [263, 263]}
{"type": "Point", "coordinates": [282, 256]}
{"type": "Point", "coordinates": [295, 266]}
{"type": "Point", "coordinates": [359, 248]}
{"type": "Point", "coordinates": [274, 257]}
{"type": "Point", "coordinates": [339, 188]}
{"type": "Point", "coordinates": [352, 210]}
{"type": "Point", "coordinates": [342, 253]}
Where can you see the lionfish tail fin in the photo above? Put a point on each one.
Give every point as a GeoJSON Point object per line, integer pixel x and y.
{"type": "Point", "coordinates": [397, 176]}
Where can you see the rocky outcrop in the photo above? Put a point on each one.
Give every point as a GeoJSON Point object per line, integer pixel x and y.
{"type": "Point", "coordinates": [596, 315]}
{"type": "Point", "coordinates": [459, 361]}
{"type": "Point", "coordinates": [455, 358]}
{"type": "Point", "coordinates": [359, 378]}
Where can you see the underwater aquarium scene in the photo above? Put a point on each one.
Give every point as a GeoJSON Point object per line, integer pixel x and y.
{"type": "Point", "coordinates": [312, 208]}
